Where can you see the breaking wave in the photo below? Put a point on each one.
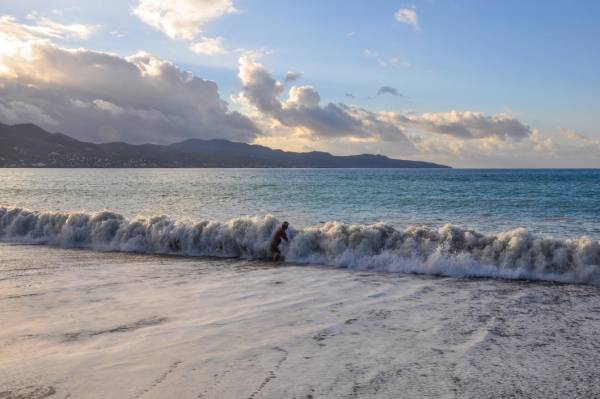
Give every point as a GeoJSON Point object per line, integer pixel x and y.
{"type": "Point", "coordinates": [447, 251]}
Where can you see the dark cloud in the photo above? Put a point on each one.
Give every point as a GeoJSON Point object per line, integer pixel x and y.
{"type": "Point", "coordinates": [292, 76]}
{"type": "Point", "coordinates": [302, 109]}
{"type": "Point", "coordinates": [388, 90]}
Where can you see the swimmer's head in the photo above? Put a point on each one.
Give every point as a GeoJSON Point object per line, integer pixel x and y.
{"type": "Point", "coordinates": [285, 225]}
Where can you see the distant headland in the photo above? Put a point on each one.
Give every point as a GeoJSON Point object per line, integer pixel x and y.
{"type": "Point", "coordinates": [28, 145]}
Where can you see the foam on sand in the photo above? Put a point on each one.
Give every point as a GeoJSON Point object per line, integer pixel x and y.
{"type": "Point", "coordinates": [448, 251]}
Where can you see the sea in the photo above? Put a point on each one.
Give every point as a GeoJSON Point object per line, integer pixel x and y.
{"type": "Point", "coordinates": [159, 283]}
{"type": "Point", "coordinates": [523, 224]}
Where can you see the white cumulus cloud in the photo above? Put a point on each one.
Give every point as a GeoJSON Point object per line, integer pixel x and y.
{"type": "Point", "coordinates": [408, 16]}
{"type": "Point", "coordinates": [181, 19]}
{"type": "Point", "coordinates": [209, 46]}
{"type": "Point", "coordinates": [572, 134]}
{"type": "Point", "coordinates": [42, 28]}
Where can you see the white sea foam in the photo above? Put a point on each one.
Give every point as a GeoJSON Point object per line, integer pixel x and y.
{"type": "Point", "coordinates": [447, 251]}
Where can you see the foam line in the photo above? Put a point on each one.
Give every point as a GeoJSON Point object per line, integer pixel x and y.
{"type": "Point", "coordinates": [447, 251]}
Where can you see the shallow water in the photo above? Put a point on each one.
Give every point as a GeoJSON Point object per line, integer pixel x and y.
{"type": "Point", "coordinates": [159, 327]}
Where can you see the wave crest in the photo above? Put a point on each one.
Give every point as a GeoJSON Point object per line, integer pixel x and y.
{"type": "Point", "coordinates": [447, 251]}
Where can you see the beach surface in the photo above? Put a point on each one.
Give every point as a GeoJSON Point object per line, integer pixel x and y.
{"type": "Point", "coordinates": [84, 324]}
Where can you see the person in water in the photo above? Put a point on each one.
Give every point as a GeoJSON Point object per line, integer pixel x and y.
{"type": "Point", "coordinates": [279, 235]}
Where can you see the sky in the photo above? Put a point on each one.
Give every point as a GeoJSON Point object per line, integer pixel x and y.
{"type": "Point", "coordinates": [496, 84]}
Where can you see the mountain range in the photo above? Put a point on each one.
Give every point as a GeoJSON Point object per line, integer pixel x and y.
{"type": "Point", "coordinates": [28, 145]}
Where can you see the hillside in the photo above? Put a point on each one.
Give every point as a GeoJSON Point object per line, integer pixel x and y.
{"type": "Point", "coordinates": [27, 145]}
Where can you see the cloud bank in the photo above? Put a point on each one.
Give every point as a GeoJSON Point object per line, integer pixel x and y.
{"type": "Point", "coordinates": [469, 125]}
{"type": "Point", "coordinates": [101, 97]}
{"type": "Point", "coordinates": [303, 110]}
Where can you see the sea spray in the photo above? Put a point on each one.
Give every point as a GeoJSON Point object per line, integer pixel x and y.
{"type": "Point", "coordinates": [447, 251]}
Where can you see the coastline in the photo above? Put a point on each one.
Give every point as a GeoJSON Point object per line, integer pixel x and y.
{"type": "Point", "coordinates": [160, 326]}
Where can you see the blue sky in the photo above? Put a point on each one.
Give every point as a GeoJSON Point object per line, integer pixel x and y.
{"type": "Point", "coordinates": [535, 61]}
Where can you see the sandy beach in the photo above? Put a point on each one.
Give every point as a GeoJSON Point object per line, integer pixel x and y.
{"type": "Point", "coordinates": [83, 324]}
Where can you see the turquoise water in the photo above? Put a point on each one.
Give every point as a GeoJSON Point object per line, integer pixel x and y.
{"type": "Point", "coordinates": [521, 224]}
{"type": "Point", "coordinates": [558, 203]}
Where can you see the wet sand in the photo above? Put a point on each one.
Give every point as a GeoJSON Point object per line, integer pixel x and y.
{"type": "Point", "coordinates": [82, 324]}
